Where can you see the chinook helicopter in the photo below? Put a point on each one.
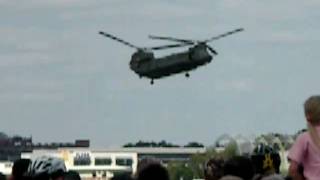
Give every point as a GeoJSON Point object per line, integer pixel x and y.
{"type": "Point", "coordinates": [144, 63]}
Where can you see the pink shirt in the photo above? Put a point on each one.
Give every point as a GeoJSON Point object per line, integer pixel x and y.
{"type": "Point", "coordinates": [305, 152]}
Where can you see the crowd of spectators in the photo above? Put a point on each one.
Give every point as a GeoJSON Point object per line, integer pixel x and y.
{"type": "Point", "coordinates": [262, 164]}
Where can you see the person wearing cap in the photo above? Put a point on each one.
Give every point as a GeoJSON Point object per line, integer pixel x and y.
{"type": "Point", "coordinates": [45, 167]}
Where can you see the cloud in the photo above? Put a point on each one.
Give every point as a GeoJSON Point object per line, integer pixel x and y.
{"type": "Point", "coordinates": [17, 40]}
{"type": "Point", "coordinates": [20, 83]}
{"type": "Point", "coordinates": [25, 59]}
{"type": "Point", "coordinates": [50, 52]}
{"type": "Point", "coordinates": [33, 4]}
{"type": "Point", "coordinates": [132, 10]}
{"type": "Point", "coordinates": [236, 85]}
{"type": "Point", "coordinates": [31, 97]}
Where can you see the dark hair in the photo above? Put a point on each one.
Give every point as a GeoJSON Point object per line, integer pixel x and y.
{"type": "Point", "coordinates": [42, 176]}
{"type": "Point", "coordinates": [72, 175]}
{"type": "Point", "coordinates": [153, 172]}
{"type": "Point", "coordinates": [122, 176]}
{"type": "Point", "coordinates": [20, 167]}
{"type": "Point", "coordinates": [2, 176]}
{"type": "Point", "coordinates": [214, 169]}
{"type": "Point", "coordinates": [239, 166]}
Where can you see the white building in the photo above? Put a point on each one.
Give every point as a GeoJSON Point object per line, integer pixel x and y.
{"type": "Point", "coordinates": [6, 167]}
{"type": "Point", "coordinates": [108, 162]}
{"type": "Point", "coordinates": [91, 163]}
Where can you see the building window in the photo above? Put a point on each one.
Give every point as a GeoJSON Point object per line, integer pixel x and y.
{"type": "Point", "coordinates": [82, 159]}
{"type": "Point", "coordinates": [8, 165]}
{"type": "Point", "coordinates": [102, 161]}
{"type": "Point", "coordinates": [124, 161]}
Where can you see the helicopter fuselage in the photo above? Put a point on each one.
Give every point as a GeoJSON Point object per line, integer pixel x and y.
{"type": "Point", "coordinates": [146, 65]}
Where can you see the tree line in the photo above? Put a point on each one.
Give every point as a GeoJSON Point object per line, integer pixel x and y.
{"type": "Point", "coordinates": [162, 143]}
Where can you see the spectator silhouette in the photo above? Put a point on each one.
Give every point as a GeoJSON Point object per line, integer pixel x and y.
{"type": "Point", "coordinates": [214, 169]}
{"type": "Point", "coordinates": [2, 176]}
{"type": "Point", "coordinates": [19, 169]}
{"type": "Point", "coordinates": [71, 175]}
{"type": "Point", "coordinates": [239, 166]}
{"type": "Point", "coordinates": [153, 171]}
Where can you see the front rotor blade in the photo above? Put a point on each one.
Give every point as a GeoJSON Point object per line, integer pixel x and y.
{"type": "Point", "coordinates": [170, 46]}
{"type": "Point", "coordinates": [118, 39]}
{"type": "Point", "coordinates": [212, 50]}
{"type": "Point", "coordinates": [224, 35]}
{"type": "Point", "coordinates": [171, 39]}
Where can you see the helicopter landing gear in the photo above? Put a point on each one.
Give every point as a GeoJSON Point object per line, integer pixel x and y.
{"type": "Point", "coordinates": [152, 82]}
{"type": "Point", "coordinates": [187, 75]}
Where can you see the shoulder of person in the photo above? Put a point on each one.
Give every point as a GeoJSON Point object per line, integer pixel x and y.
{"type": "Point", "coordinates": [303, 136]}
{"type": "Point", "coordinates": [273, 177]}
{"type": "Point", "coordinates": [230, 177]}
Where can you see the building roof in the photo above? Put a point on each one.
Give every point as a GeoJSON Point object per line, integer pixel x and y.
{"type": "Point", "coordinates": [144, 150]}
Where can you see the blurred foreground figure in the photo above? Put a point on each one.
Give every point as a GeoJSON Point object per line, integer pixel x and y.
{"type": "Point", "coordinates": [304, 155]}
{"type": "Point", "coordinates": [266, 161]}
{"type": "Point", "coordinates": [238, 167]}
{"type": "Point", "coordinates": [71, 175]}
{"type": "Point", "coordinates": [214, 169]}
{"type": "Point", "coordinates": [42, 168]}
{"type": "Point", "coordinates": [2, 176]}
{"type": "Point", "coordinates": [229, 177]}
{"type": "Point", "coordinates": [20, 169]}
{"type": "Point", "coordinates": [45, 168]}
{"type": "Point", "coordinates": [151, 169]}
{"type": "Point", "coordinates": [123, 176]}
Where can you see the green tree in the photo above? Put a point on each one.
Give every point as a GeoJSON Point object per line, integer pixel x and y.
{"type": "Point", "coordinates": [198, 161]}
{"type": "Point", "coordinates": [179, 171]}
{"type": "Point", "coordinates": [230, 150]}
{"type": "Point", "coordinates": [194, 144]}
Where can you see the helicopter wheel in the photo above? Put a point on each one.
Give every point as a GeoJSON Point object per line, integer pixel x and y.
{"type": "Point", "coordinates": [152, 82]}
{"type": "Point", "coordinates": [187, 75]}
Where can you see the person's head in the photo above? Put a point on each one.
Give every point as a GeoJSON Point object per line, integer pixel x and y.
{"type": "Point", "coordinates": [144, 162]}
{"type": "Point", "coordinates": [273, 177]}
{"type": "Point", "coordinates": [2, 176]}
{"type": "Point", "coordinates": [312, 109]}
{"type": "Point", "coordinates": [239, 166]}
{"type": "Point", "coordinates": [214, 169]}
{"type": "Point", "coordinates": [71, 175]}
{"type": "Point", "coordinates": [154, 171]}
{"type": "Point", "coordinates": [266, 160]}
{"type": "Point", "coordinates": [312, 113]}
{"type": "Point", "coordinates": [229, 177]}
{"type": "Point", "coordinates": [20, 169]}
{"type": "Point", "coordinates": [122, 176]}
{"type": "Point", "coordinates": [47, 167]}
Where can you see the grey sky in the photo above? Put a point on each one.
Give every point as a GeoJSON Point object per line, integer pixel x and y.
{"type": "Point", "coordinates": [60, 80]}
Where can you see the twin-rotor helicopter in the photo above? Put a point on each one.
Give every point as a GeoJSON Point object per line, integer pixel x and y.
{"type": "Point", "coordinates": [145, 64]}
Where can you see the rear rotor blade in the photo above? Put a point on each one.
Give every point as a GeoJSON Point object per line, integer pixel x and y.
{"type": "Point", "coordinates": [224, 35]}
{"type": "Point", "coordinates": [171, 39]}
{"type": "Point", "coordinates": [118, 39]}
{"type": "Point", "coordinates": [170, 46]}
